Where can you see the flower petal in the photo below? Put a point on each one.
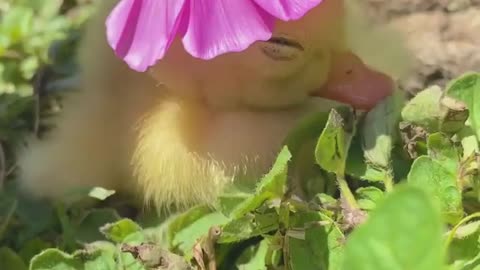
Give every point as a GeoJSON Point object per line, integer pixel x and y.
{"type": "Point", "coordinates": [216, 27]}
{"type": "Point", "coordinates": [287, 9]}
{"type": "Point", "coordinates": [140, 31]}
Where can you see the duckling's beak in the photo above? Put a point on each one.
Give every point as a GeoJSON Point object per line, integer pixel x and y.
{"type": "Point", "coordinates": [351, 81]}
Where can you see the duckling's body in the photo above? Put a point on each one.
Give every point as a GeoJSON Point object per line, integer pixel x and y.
{"type": "Point", "coordinates": [179, 133]}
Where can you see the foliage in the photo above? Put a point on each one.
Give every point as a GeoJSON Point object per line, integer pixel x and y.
{"type": "Point", "coordinates": [406, 190]}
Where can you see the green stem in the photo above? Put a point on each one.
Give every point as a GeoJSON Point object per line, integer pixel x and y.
{"type": "Point", "coordinates": [388, 181]}
{"type": "Point", "coordinates": [346, 192]}
{"type": "Point", "coordinates": [452, 233]}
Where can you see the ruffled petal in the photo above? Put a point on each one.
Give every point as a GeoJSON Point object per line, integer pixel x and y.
{"type": "Point", "coordinates": [216, 27]}
{"type": "Point", "coordinates": [287, 9]}
{"type": "Point", "coordinates": [140, 31]}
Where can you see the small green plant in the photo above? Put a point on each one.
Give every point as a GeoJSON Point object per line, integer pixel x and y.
{"type": "Point", "coordinates": [407, 199]}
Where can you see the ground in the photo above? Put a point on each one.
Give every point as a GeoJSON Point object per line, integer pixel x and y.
{"type": "Point", "coordinates": [442, 34]}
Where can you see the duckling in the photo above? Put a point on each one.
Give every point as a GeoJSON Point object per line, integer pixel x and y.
{"type": "Point", "coordinates": [180, 133]}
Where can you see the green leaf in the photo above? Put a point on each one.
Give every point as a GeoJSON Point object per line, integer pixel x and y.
{"type": "Point", "coordinates": [272, 186]}
{"type": "Point", "coordinates": [424, 109]}
{"type": "Point", "coordinates": [17, 23]}
{"type": "Point", "coordinates": [88, 229]}
{"type": "Point", "coordinates": [99, 255]}
{"type": "Point", "coordinates": [357, 165]}
{"type": "Point", "coordinates": [186, 219]}
{"type": "Point", "coordinates": [100, 193]}
{"type": "Point", "coordinates": [437, 174]}
{"type": "Point", "coordinates": [184, 239]}
{"type": "Point", "coordinates": [441, 149]}
{"type": "Point", "coordinates": [467, 89]}
{"type": "Point", "coordinates": [10, 260]}
{"type": "Point", "coordinates": [258, 259]}
{"type": "Point", "coordinates": [119, 230]}
{"type": "Point", "coordinates": [36, 216]}
{"type": "Point", "coordinates": [440, 183]}
{"type": "Point", "coordinates": [249, 226]}
{"type": "Point", "coordinates": [54, 259]}
{"type": "Point", "coordinates": [308, 129]}
{"type": "Point", "coordinates": [32, 248]}
{"type": "Point", "coordinates": [228, 201]}
{"type": "Point", "coordinates": [470, 143]}
{"type": "Point", "coordinates": [368, 197]}
{"type": "Point", "coordinates": [404, 232]}
{"type": "Point", "coordinates": [334, 142]}
{"type": "Point", "coordinates": [465, 245]}
{"type": "Point", "coordinates": [274, 183]}
{"type": "Point", "coordinates": [380, 129]}
{"type": "Point", "coordinates": [435, 112]}
{"type": "Point", "coordinates": [321, 247]}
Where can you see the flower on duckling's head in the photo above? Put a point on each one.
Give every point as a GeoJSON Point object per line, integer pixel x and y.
{"type": "Point", "coordinates": [141, 31]}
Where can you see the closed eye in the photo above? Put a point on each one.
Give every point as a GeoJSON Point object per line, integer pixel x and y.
{"type": "Point", "coordinates": [282, 49]}
{"type": "Point", "coordinates": [281, 41]}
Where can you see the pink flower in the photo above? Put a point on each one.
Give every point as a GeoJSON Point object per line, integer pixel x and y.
{"type": "Point", "coordinates": [141, 31]}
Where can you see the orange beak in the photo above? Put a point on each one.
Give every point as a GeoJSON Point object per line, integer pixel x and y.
{"type": "Point", "coordinates": [352, 82]}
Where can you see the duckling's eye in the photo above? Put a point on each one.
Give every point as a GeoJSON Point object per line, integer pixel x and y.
{"type": "Point", "coordinates": [282, 49]}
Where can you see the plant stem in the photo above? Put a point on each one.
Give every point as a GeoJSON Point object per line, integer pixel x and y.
{"type": "Point", "coordinates": [451, 235]}
{"type": "Point", "coordinates": [346, 192]}
{"type": "Point", "coordinates": [388, 181]}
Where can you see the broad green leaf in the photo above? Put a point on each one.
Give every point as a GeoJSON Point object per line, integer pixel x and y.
{"type": "Point", "coordinates": [36, 216]}
{"type": "Point", "coordinates": [99, 255]}
{"type": "Point", "coordinates": [54, 259]}
{"type": "Point", "coordinates": [467, 89]}
{"type": "Point", "coordinates": [32, 248]}
{"type": "Point", "coordinates": [258, 259]}
{"type": "Point", "coordinates": [468, 138]}
{"type": "Point", "coordinates": [358, 167]}
{"type": "Point", "coordinates": [368, 197]}
{"type": "Point", "coordinates": [435, 112]}
{"type": "Point", "coordinates": [186, 219]}
{"type": "Point", "coordinates": [437, 174]}
{"type": "Point", "coordinates": [321, 247]}
{"type": "Point", "coordinates": [440, 183]}
{"type": "Point", "coordinates": [424, 109]}
{"type": "Point", "coordinates": [303, 167]}
{"type": "Point", "coordinates": [17, 23]}
{"type": "Point", "coordinates": [100, 259]}
{"type": "Point", "coordinates": [273, 184]}
{"type": "Point", "coordinates": [238, 229]}
{"type": "Point", "coordinates": [465, 247]}
{"type": "Point", "coordinates": [9, 260]}
{"type": "Point", "coordinates": [119, 230]}
{"type": "Point", "coordinates": [334, 141]}
{"type": "Point", "coordinates": [249, 226]}
{"type": "Point", "coordinates": [229, 201]}
{"type": "Point", "coordinates": [442, 150]}
{"type": "Point", "coordinates": [308, 129]}
{"type": "Point", "coordinates": [185, 238]}
{"type": "Point", "coordinates": [380, 129]}
{"type": "Point", "coordinates": [88, 229]}
{"type": "Point", "coordinates": [403, 232]}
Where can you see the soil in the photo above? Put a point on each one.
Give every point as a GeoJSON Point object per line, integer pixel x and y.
{"type": "Point", "coordinates": [444, 36]}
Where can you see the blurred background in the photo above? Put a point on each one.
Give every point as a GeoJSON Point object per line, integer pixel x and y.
{"type": "Point", "coordinates": [37, 46]}
{"type": "Point", "coordinates": [444, 36]}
